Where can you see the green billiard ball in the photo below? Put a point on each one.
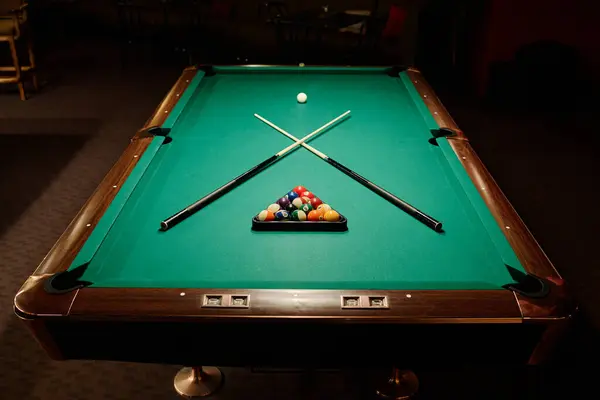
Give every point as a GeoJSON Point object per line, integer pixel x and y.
{"type": "Point", "coordinates": [306, 208]}
{"type": "Point", "coordinates": [299, 215]}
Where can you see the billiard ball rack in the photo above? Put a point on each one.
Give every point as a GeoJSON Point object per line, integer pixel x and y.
{"type": "Point", "coordinates": [301, 211]}
{"type": "Point", "coordinates": [300, 226]}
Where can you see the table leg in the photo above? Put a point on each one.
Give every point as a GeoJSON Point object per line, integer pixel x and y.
{"type": "Point", "coordinates": [197, 381]}
{"type": "Point", "coordinates": [401, 385]}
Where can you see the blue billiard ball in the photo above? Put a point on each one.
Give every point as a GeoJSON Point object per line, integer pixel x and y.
{"type": "Point", "coordinates": [282, 215]}
{"type": "Point", "coordinates": [292, 195]}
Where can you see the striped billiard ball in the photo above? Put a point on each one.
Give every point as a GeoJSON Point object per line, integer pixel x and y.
{"type": "Point", "coordinates": [306, 207]}
{"type": "Point", "coordinates": [299, 215]}
{"type": "Point", "coordinates": [307, 194]}
{"type": "Point", "coordinates": [297, 202]}
{"type": "Point", "coordinates": [274, 207]}
{"type": "Point", "coordinates": [324, 207]}
{"type": "Point", "coordinates": [266, 215]}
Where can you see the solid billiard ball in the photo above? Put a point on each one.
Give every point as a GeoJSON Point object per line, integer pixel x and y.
{"type": "Point", "coordinates": [298, 201]}
{"type": "Point", "coordinates": [283, 202]}
{"type": "Point", "coordinates": [306, 207]}
{"type": "Point", "coordinates": [274, 207]}
{"type": "Point", "coordinates": [299, 189]}
{"type": "Point", "coordinates": [308, 194]}
{"type": "Point", "coordinates": [281, 215]}
{"type": "Point", "coordinates": [290, 208]}
{"type": "Point", "coordinates": [299, 215]}
{"type": "Point", "coordinates": [315, 202]}
{"type": "Point", "coordinates": [331, 216]}
{"type": "Point", "coordinates": [266, 215]}
{"type": "Point", "coordinates": [315, 215]}
{"type": "Point", "coordinates": [292, 195]}
{"type": "Point", "coordinates": [324, 207]}
{"type": "Point", "coordinates": [302, 97]}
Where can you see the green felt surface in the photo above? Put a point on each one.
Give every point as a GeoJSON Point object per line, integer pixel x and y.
{"type": "Point", "coordinates": [215, 138]}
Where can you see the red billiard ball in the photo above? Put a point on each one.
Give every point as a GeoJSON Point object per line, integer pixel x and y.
{"type": "Point", "coordinates": [315, 202]}
{"type": "Point", "coordinates": [299, 190]}
{"type": "Point", "coordinates": [307, 194]}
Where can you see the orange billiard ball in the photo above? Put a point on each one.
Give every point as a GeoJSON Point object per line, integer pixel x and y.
{"type": "Point", "coordinates": [315, 215]}
{"type": "Point", "coordinates": [266, 215]}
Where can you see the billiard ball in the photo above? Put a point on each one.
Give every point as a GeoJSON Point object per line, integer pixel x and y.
{"type": "Point", "coordinates": [299, 215]}
{"type": "Point", "coordinates": [324, 207]}
{"type": "Point", "coordinates": [281, 215]}
{"type": "Point", "coordinates": [274, 207]}
{"type": "Point", "coordinates": [305, 199]}
{"type": "Point", "coordinates": [308, 194]}
{"type": "Point", "coordinates": [306, 207]}
{"type": "Point", "coordinates": [283, 202]}
{"type": "Point", "coordinates": [299, 189]}
{"type": "Point", "coordinates": [292, 195]}
{"type": "Point", "coordinates": [315, 202]}
{"type": "Point", "coordinates": [331, 216]}
{"type": "Point", "coordinates": [290, 208]}
{"type": "Point", "coordinates": [302, 97]}
{"type": "Point", "coordinates": [266, 215]}
{"type": "Point", "coordinates": [315, 215]}
{"type": "Point", "coordinates": [297, 202]}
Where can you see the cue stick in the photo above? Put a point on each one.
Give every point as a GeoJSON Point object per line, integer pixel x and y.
{"type": "Point", "coordinates": [412, 211]}
{"type": "Point", "coordinates": [209, 198]}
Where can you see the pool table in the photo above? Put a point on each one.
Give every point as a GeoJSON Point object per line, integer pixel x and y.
{"type": "Point", "coordinates": [388, 291]}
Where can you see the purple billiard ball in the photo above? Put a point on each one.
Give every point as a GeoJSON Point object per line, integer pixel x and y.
{"type": "Point", "coordinates": [283, 202]}
{"type": "Point", "coordinates": [292, 195]}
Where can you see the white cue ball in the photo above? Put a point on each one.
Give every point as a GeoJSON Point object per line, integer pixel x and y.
{"type": "Point", "coordinates": [301, 97]}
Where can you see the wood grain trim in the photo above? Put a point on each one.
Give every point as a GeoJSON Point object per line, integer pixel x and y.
{"type": "Point", "coordinates": [68, 245]}
{"type": "Point", "coordinates": [437, 109]}
{"type": "Point", "coordinates": [32, 299]}
{"type": "Point", "coordinates": [524, 244]}
{"type": "Point", "coordinates": [166, 106]}
{"type": "Point", "coordinates": [453, 306]}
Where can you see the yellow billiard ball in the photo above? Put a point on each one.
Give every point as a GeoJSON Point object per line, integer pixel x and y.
{"type": "Point", "coordinates": [332, 216]}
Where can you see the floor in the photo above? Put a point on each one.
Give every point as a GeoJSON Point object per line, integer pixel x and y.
{"type": "Point", "coordinates": [62, 141]}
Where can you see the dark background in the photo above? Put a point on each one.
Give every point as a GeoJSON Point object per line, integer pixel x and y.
{"type": "Point", "coordinates": [520, 78]}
